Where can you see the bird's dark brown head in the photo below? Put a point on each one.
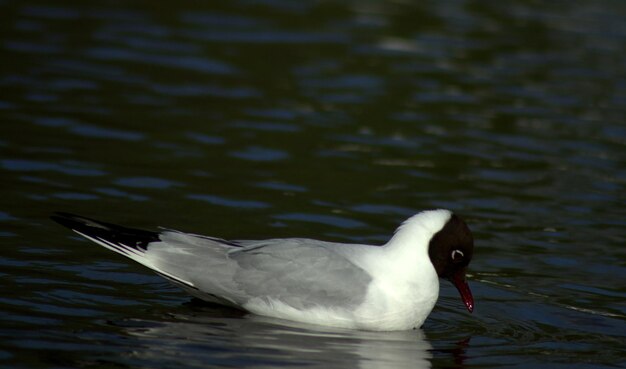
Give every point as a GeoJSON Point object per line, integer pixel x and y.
{"type": "Point", "coordinates": [451, 251]}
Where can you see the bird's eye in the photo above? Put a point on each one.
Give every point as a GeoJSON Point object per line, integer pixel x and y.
{"type": "Point", "coordinates": [457, 255]}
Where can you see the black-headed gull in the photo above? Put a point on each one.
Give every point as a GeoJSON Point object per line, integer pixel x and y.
{"type": "Point", "coordinates": [384, 288]}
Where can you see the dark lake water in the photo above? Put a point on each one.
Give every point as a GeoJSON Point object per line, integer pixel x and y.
{"type": "Point", "coordinates": [324, 119]}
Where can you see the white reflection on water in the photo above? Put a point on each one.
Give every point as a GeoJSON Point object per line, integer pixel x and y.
{"type": "Point", "coordinates": [252, 341]}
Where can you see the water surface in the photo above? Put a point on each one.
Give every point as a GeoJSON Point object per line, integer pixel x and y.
{"type": "Point", "coordinates": [330, 120]}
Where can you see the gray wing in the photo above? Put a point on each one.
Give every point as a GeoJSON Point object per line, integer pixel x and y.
{"type": "Point", "coordinates": [298, 272]}
{"type": "Point", "coordinates": [301, 273]}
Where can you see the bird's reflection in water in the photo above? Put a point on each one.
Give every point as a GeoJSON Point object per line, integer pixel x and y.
{"type": "Point", "coordinates": [202, 335]}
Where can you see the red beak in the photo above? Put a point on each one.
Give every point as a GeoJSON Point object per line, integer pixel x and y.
{"type": "Point", "coordinates": [460, 282]}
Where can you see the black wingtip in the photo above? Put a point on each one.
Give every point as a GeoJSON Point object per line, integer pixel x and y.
{"type": "Point", "coordinates": [71, 221]}
{"type": "Point", "coordinates": [78, 222]}
{"type": "Point", "coordinates": [103, 230]}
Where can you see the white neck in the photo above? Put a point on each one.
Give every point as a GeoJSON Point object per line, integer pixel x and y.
{"type": "Point", "coordinates": [409, 244]}
{"type": "Point", "coordinates": [419, 229]}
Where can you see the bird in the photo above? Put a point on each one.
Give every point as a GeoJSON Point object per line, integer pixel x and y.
{"type": "Point", "coordinates": [389, 287]}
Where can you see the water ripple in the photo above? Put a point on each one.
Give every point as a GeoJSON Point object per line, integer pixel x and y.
{"type": "Point", "coordinates": [235, 203]}
{"type": "Point", "coordinates": [192, 63]}
{"type": "Point", "coordinates": [332, 220]}
{"type": "Point", "coordinates": [146, 182]}
{"type": "Point", "coordinates": [260, 154]}
{"type": "Point", "coordinates": [71, 168]}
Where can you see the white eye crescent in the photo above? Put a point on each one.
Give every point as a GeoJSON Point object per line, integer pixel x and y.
{"type": "Point", "coordinates": [457, 254]}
